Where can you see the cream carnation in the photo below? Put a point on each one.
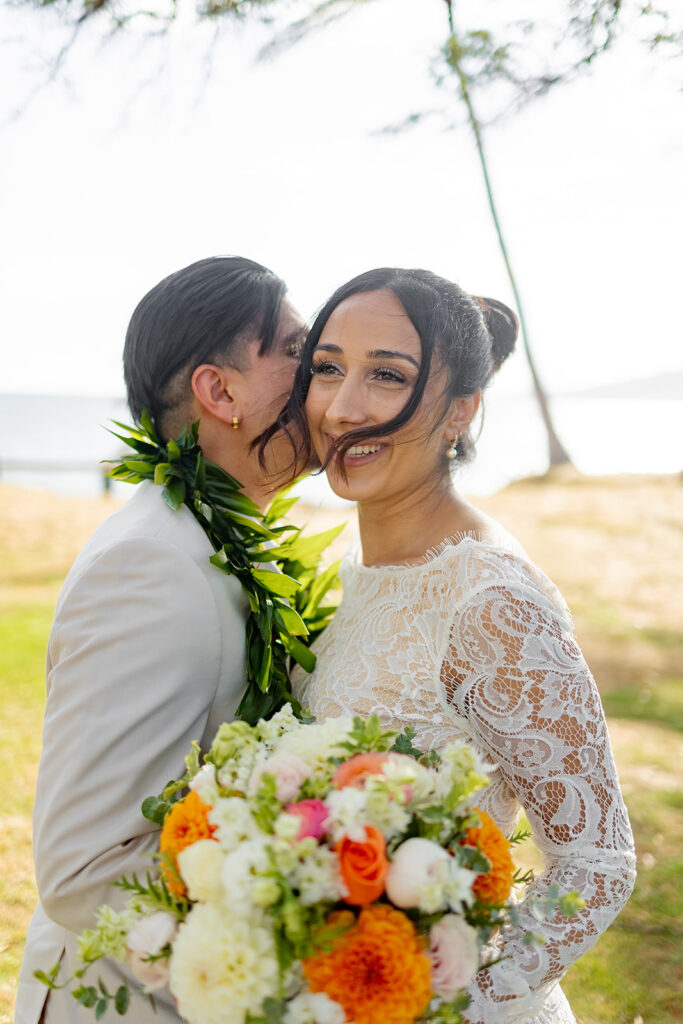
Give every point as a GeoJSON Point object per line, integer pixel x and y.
{"type": "Point", "coordinates": [200, 867]}
{"type": "Point", "coordinates": [222, 967]}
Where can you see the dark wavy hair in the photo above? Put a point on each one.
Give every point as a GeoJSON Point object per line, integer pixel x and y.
{"type": "Point", "coordinates": [204, 313]}
{"type": "Point", "coordinates": [471, 336]}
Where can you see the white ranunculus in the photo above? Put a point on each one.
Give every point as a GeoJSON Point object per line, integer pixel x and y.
{"type": "Point", "coordinates": [416, 867]}
{"type": "Point", "coordinates": [200, 866]}
{"type": "Point", "coordinates": [147, 938]}
{"type": "Point", "coordinates": [314, 1008]}
{"type": "Point", "coordinates": [454, 953]}
{"type": "Point", "coordinates": [222, 967]}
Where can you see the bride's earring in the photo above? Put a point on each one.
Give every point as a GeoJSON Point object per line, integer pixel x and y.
{"type": "Point", "coordinates": [452, 452]}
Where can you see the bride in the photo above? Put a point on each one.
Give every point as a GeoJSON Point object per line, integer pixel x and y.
{"type": "Point", "coordinates": [445, 624]}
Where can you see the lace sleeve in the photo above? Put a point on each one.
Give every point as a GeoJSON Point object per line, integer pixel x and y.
{"type": "Point", "coordinates": [514, 671]}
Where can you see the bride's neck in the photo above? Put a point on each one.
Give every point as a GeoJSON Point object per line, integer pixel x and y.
{"type": "Point", "coordinates": [405, 528]}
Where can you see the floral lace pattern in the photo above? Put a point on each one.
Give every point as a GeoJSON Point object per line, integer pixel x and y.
{"type": "Point", "coordinates": [476, 643]}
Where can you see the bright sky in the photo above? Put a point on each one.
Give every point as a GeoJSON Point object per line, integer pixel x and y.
{"type": "Point", "coordinates": [136, 161]}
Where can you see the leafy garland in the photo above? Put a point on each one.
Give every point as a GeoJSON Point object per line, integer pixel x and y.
{"type": "Point", "coordinates": [282, 582]}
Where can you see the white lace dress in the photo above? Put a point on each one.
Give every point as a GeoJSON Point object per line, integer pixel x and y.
{"type": "Point", "coordinates": [475, 642]}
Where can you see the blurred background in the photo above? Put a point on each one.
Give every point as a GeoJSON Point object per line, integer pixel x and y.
{"type": "Point", "coordinates": [323, 139]}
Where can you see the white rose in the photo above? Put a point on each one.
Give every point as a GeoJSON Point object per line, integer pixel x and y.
{"type": "Point", "coordinates": [200, 866]}
{"type": "Point", "coordinates": [454, 953]}
{"type": "Point", "coordinates": [417, 865]}
{"type": "Point", "coordinates": [146, 939]}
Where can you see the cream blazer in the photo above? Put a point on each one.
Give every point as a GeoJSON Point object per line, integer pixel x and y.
{"type": "Point", "coordinates": [146, 654]}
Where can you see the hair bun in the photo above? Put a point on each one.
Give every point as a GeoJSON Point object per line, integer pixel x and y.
{"type": "Point", "coordinates": [503, 326]}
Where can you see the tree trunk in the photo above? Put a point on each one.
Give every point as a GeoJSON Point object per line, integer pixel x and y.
{"type": "Point", "coordinates": [557, 454]}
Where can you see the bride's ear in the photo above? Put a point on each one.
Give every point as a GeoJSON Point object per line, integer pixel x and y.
{"type": "Point", "coordinates": [216, 388]}
{"type": "Point", "coordinates": [461, 414]}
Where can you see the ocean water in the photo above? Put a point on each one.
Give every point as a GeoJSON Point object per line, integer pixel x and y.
{"type": "Point", "coordinates": [57, 443]}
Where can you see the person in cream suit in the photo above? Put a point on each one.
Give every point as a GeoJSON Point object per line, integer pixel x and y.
{"type": "Point", "coordinates": [147, 649]}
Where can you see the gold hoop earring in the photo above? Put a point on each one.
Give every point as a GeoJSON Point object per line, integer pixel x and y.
{"type": "Point", "coordinates": [452, 452]}
{"type": "Point", "coordinates": [235, 423]}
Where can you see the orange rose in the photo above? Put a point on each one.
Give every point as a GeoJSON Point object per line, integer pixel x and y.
{"type": "Point", "coordinates": [363, 867]}
{"type": "Point", "coordinates": [355, 771]}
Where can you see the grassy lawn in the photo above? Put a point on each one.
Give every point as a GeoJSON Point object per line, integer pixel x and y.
{"type": "Point", "coordinates": [623, 597]}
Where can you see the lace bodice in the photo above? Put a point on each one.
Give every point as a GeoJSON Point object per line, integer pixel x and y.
{"type": "Point", "coordinates": [477, 643]}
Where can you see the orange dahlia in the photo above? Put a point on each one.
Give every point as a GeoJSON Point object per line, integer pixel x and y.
{"type": "Point", "coordinates": [377, 970]}
{"type": "Point", "coordinates": [494, 887]}
{"type": "Point", "coordinates": [185, 824]}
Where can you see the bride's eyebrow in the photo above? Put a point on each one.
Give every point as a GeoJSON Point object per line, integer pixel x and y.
{"type": "Point", "coordinates": [385, 353]}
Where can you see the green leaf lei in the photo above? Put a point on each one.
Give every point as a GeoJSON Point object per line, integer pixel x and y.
{"type": "Point", "coordinates": [282, 582]}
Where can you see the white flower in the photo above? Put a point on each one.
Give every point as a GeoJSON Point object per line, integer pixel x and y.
{"type": "Point", "coordinates": [287, 827]}
{"type": "Point", "coordinates": [204, 784]}
{"type": "Point", "coordinates": [462, 768]}
{"type": "Point", "coordinates": [317, 877]}
{"type": "Point", "coordinates": [222, 967]}
{"type": "Point", "coordinates": [348, 815]}
{"type": "Point", "coordinates": [419, 869]}
{"type": "Point", "coordinates": [238, 872]}
{"type": "Point", "coordinates": [314, 1008]}
{"type": "Point", "coordinates": [282, 721]}
{"type": "Point", "coordinates": [406, 771]}
{"type": "Point", "coordinates": [316, 744]}
{"type": "Point", "coordinates": [234, 822]}
{"type": "Point", "coordinates": [454, 952]}
{"type": "Point", "coordinates": [147, 938]}
{"type": "Point", "coordinates": [200, 866]}
{"type": "Point", "coordinates": [384, 806]}
{"type": "Point", "coordinates": [459, 887]}
{"type": "Point", "coordinates": [290, 773]}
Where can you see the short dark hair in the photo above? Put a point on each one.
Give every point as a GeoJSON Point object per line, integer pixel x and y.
{"type": "Point", "coordinates": [204, 313]}
{"type": "Point", "coordinates": [471, 335]}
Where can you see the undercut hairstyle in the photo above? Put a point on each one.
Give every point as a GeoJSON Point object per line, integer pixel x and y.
{"type": "Point", "coordinates": [205, 313]}
{"type": "Point", "coordinates": [470, 336]}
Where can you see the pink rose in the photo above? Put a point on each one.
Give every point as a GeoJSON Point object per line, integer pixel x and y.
{"type": "Point", "coordinates": [146, 939]}
{"type": "Point", "coordinates": [290, 773]}
{"type": "Point", "coordinates": [313, 814]}
{"type": "Point", "coordinates": [454, 952]}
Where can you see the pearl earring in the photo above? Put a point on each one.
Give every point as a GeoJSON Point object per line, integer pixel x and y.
{"type": "Point", "coordinates": [452, 452]}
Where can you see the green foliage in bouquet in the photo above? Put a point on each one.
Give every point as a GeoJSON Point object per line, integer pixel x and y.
{"type": "Point", "coordinates": [276, 565]}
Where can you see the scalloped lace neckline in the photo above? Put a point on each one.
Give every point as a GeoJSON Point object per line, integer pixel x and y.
{"type": "Point", "coordinates": [451, 543]}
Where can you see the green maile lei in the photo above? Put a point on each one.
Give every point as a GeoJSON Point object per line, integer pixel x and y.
{"type": "Point", "coordinates": [276, 565]}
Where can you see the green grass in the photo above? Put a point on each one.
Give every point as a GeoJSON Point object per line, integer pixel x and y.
{"type": "Point", "coordinates": [658, 700]}
{"type": "Point", "coordinates": [23, 638]}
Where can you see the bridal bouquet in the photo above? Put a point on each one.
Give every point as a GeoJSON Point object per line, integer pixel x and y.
{"type": "Point", "coordinates": [313, 874]}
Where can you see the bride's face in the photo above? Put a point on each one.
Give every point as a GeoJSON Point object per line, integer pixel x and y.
{"type": "Point", "coordinates": [364, 370]}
